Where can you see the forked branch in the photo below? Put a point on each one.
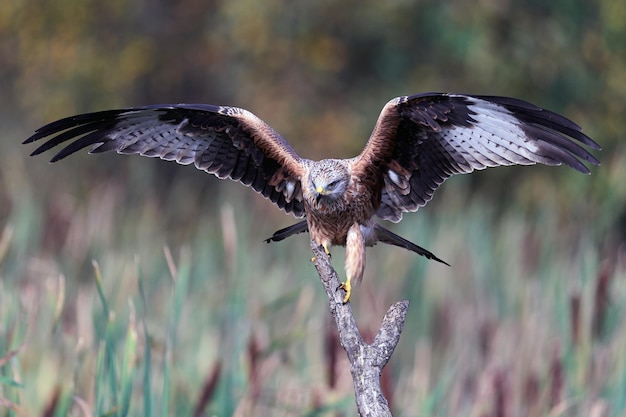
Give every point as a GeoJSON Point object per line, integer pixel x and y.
{"type": "Point", "coordinates": [366, 361]}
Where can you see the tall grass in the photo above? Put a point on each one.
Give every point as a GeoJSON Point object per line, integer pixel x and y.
{"type": "Point", "coordinates": [119, 301]}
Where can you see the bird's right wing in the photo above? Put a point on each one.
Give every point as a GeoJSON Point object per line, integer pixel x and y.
{"type": "Point", "coordinates": [225, 141]}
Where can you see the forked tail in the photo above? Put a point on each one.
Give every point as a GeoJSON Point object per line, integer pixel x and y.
{"type": "Point", "coordinates": [390, 238]}
{"type": "Point", "coordinates": [383, 235]}
{"type": "Point", "coordinates": [294, 229]}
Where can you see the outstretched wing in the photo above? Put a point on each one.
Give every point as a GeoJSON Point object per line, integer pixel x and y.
{"type": "Point", "coordinates": [225, 141]}
{"type": "Point", "coordinates": [420, 141]}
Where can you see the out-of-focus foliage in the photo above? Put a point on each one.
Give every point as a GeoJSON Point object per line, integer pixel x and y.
{"type": "Point", "coordinates": [318, 70]}
{"type": "Point", "coordinates": [526, 244]}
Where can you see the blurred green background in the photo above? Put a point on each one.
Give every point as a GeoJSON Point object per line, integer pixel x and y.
{"type": "Point", "coordinates": [189, 312]}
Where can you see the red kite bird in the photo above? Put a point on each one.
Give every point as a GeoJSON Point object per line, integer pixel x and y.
{"type": "Point", "coordinates": [418, 142]}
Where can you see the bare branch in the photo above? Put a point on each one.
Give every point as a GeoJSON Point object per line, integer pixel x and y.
{"type": "Point", "coordinates": [366, 361]}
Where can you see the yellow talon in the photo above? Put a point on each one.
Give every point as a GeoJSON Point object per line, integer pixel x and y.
{"type": "Point", "coordinates": [313, 259]}
{"type": "Point", "coordinates": [347, 287]}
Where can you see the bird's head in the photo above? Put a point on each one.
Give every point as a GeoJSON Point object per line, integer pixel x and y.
{"type": "Point", "coordinates": [328, 179]}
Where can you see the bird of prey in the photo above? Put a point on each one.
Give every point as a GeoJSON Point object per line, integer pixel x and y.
{"type": "Point", "coordinates": [417, 143]}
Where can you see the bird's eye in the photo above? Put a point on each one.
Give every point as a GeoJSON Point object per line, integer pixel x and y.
{"type": "Point", "coordinates": [333, 184]}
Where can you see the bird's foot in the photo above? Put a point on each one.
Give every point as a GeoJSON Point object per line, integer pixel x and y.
{"type": "Point", "coordinates": [347, 287]}
{"type": "Point", "coordinates": [326, 250]}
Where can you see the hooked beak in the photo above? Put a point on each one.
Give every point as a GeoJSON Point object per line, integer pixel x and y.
{"type": "Point", "coordinates": [320, 193]}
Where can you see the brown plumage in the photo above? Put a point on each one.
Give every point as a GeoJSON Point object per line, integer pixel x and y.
{"type": "Point", "coordinates": [417, 143]}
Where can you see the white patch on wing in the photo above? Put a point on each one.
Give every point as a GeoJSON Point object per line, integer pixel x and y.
{"type": "Point", "coordinates": [397, 182]}
{"type": "Point", "coordinates": [290, 187]}
{"type": "Point", "coordinates": [393, 176]}
{"type": "Point", "coordinates": [495, 138]}
{"type": "Point", "coordinates": [181, 125]}
{"type": "Point", "coordinates": [467, 142]}
{"type": "Point", "coordinates": [182, 149]}
{"type": "Point", "coordinates": [143, 135]}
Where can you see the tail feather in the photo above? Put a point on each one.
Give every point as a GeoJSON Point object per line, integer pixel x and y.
{"type": "Point", "coordinates": [294, 229]}
{"type": "Point", "coordinates": [390, 238]}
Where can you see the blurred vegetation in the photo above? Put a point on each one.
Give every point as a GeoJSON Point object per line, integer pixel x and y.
{"type": "Point", "coordinates": [188, 312]}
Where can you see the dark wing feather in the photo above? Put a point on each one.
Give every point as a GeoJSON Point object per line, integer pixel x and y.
{"type": "Point", "coordinates": [225, 141]}
{"type": "Point", "coordinates": [422, 140]}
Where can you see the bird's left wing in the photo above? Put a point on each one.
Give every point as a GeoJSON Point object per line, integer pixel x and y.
{"type": "Point", "coordinates": [225, 141]}
{"type": "Point", "coordinates": [420, 141]}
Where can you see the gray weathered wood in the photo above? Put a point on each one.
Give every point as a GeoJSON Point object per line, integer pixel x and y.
{"type": "Point", "coordinates": [366, 361]}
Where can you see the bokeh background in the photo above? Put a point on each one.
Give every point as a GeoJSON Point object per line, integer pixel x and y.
{"type": "Point", "coordinates": [130, 286]}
